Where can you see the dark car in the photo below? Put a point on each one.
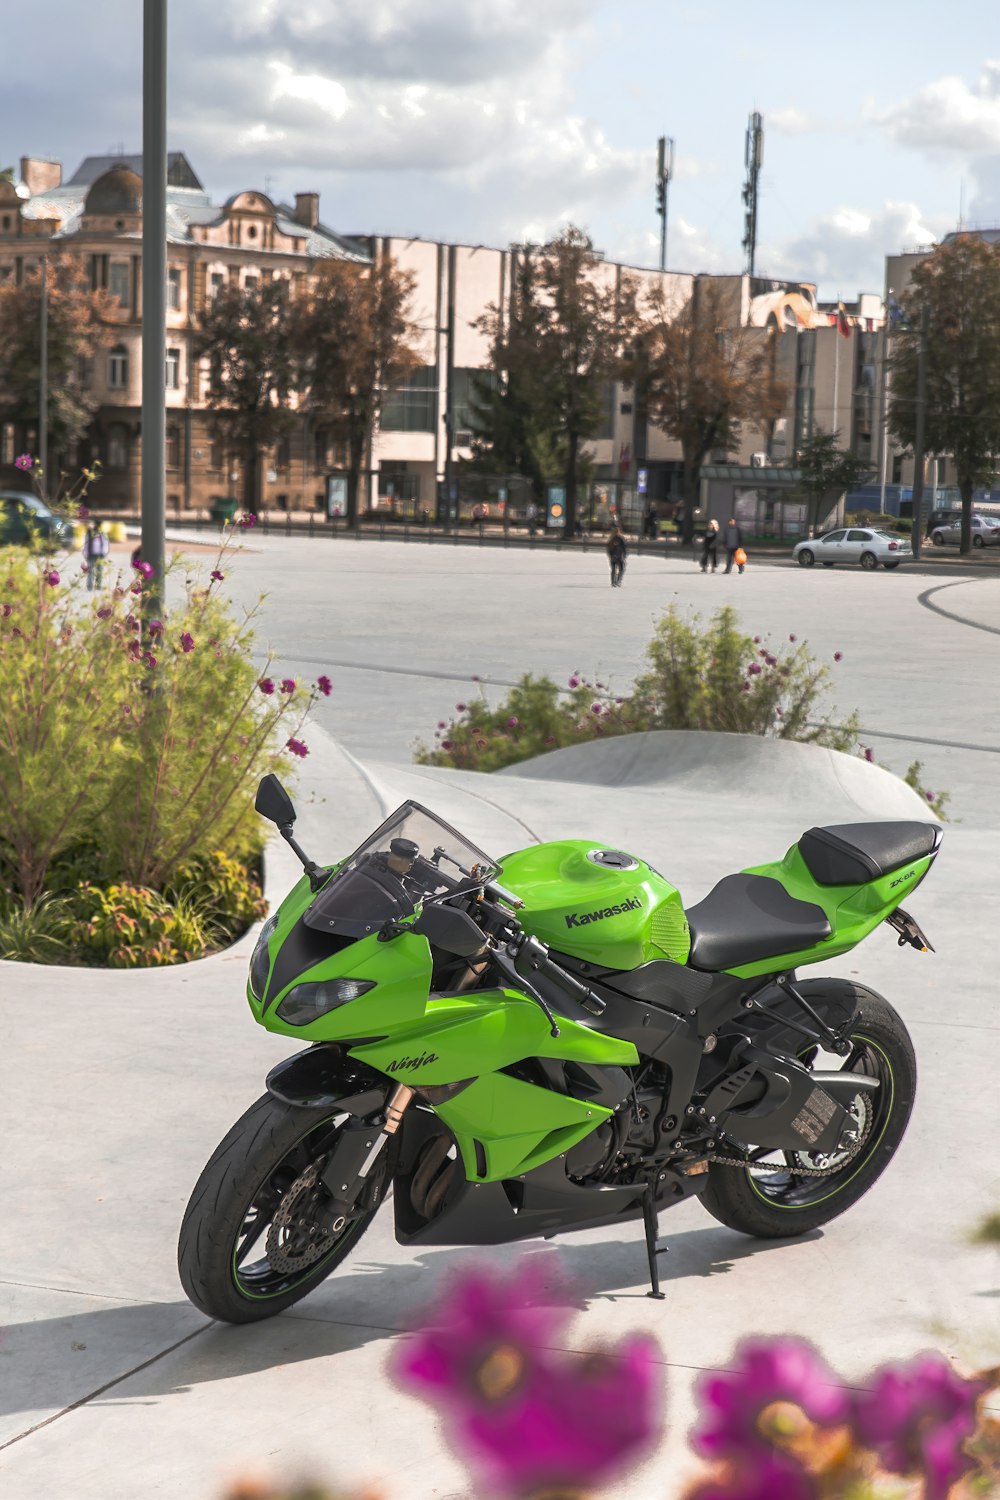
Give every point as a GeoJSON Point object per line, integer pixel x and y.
{"type": "Point", "coordinates": [26, 520]}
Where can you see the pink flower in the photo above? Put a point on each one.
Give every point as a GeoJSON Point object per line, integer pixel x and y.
{"type": "Point", "coordinates": [460, 708]}
{"type": "Point", "coordinates": [155, 627]}
{"type": "Point", "coordinates": [145, 569]}
{"type": "Point", "coordinates": [529, 1417]}
{"type": "Point", "coordinates": [446, 744]}
{"type": "Point", "coordinates": [917, 1418]}
{"type": "Point", "coordinates": [325, 686]}
{"type": "Point", "coordinates": [187, 641]}
{"type": "Point", "coordinates": [104, 613]}
{"type": "Point", "coordinates": [838, 656]}
{"type": "Point", "coordinates": [84, 567]}
{"type": "Point", "coordinates": [217, 575]}
{"type": "Point", "coordinates": [869, 754]}
{"type": "Point", "coordinates": [442, 724]}
{"type": "Point", "coordinates": [266, 685]}
{"type": "Point", "coordinates": [149, 659]}
{"type": "Point", "coordinates": [288, 684]}
{"type": "Point", "coordinates": [52, 578]}
{"type": "Point", "coordinates": [756, 640]}
{"type": "Point", "coordinates": [512, 722]}
{"type": "Point", "coordinates": [23, 461]}
{"type": "Point", "coordinates": [7, 610]}
{"type": "Point", "coordinates": [245, 520]}
{"type": "Point", "coordinates": [595, 708]}
{"type": "Point", "coordinates": [764, 1371]}
{"type": "Point", "coordinates": [298, 747]}
{"type": "Point", "coordinates": [754, 668]}
{"type": "Point", "coordinates": [574, 682]}
{"type": "Point", "coordinates": [929, 796]}
{"type": "Point", "coordinates": [131, 623]}
{"type": "Point", "coordinates": [82, 513]}
{"type": "Point", "coordinates": [793, 638]}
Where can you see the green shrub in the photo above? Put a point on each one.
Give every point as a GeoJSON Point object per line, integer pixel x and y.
{"type": "Point", "coordinates": [717, 678]}
{"type": "Point", "coordinates": [130, 926]}
{"type": "Point", "coordinates": [224, 890]}
{"type": "Point", "coordinates": [43, 933]}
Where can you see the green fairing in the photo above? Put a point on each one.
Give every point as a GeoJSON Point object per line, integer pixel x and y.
{"type": "Point", "coordinates": [853, 911]}
{"type": "Point", "coordinates": [616, 919]}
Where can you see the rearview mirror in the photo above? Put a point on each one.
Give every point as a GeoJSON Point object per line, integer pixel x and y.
{"type": "Point", "coordinates": [273, 802]}
{"type": "Point", "coordinates": [448, 928]}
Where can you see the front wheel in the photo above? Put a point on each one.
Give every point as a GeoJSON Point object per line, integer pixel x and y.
{"type": "Point", "coordinates": [777, 1200]}
{"type": "Point", "coordinates": [977, 541]}
{"type": "Point", "coordinates": [806, 558]}
{"type": "Point", "coordinates": [255, 1238]}
{"type": "Point", "coordinates": [869, 560]}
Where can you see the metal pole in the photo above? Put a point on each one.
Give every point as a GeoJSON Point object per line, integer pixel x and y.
{"type": "Point", "coordinates": [449, 395]}
{"type": "Point", "coordinates": [43, 378]}
{"type": "Point", "coordinates": [883, 421]}
{"type": "Point", "coordinates": [154, 294]}
{"type": "Point", "coordinates": [918, 435]}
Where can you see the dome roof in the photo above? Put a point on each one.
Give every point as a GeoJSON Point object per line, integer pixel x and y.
{"type": "Point", "coordinates": [118, 191]}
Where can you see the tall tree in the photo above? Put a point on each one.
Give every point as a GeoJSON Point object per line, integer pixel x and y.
{"type": "Point", "coordinates": [565, 339]}
{"type": "Point", "coordinates": [957, 289]}
{"type": "Point", "coordinates": [352, 333]}
{"type": "Point", "coordinates": [77, 331]}
{"type": "Point", "coordinates": [827, 471]}
{"type": "Point", "coordinates": [701, 376]}
{"type": "Point", "coordinates": [244, 335]}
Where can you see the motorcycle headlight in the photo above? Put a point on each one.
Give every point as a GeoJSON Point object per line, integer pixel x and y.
{"type": "Point", "coordinates": [260, 961]}
{"type": "Point", "coordinates": [307, 1002]}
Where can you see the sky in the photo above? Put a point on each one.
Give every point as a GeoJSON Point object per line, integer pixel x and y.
{"type": "Point", "coordinates": [492, 121]}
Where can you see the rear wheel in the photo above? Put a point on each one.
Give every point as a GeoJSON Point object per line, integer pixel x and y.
{"type": "Point", "coordinates": [869, 560]}
{"type": "Point", "coordinates": [806, 558]}
{"type": "Point", "coordinates": [776, 1200]}
{"type": "Point", "coordinates": [890, 566]}
{"type": "Point", "coordinates": [254, 1238]}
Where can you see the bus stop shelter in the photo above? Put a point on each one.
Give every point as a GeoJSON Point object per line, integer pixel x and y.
{"type": "Point", "coordinates": [769, 502]}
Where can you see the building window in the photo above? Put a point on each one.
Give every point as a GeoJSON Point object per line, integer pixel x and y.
{"type": "Point", "coordinates": [5, 272]}
{"type": "Point", "coordinates": [119, 279]}
{"type": "Point", "coordinates": [173, 370]}
{"type": "Point", "coordinates": [118, 368]}
{"type": "Point", "coordinates": [321, 447]}
{"type": "Point", "coordinates": [173, 449]}
{"type": "Point", "coordinates": [217, 458]}
{"type": "Point", "coordinates": [412, 407]}
{"type": "Point", "coordinates": [250, 282]}
{"type": "Point", "coordinates": [118, 446]}
{"type": "Point", "coordinates": [7, 443]}
{"type": "Point", "coordinates": [216, 282]}
{"type": "Point", "coordinates": [395, 484]}
{"type": "Point", "coordinates": [174, 288]}
{"type": "Point", "coordinates": [6, 221]}
{"type": "Point", "coordinates": [282, 453]}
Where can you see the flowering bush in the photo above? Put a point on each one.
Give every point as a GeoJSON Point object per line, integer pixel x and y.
{"type": "Point", "coordinates": [130, 759]}
{"type": "Point", "coordinates": [63, 497]}
{"type": "Point", "coordinates": [717, 678]}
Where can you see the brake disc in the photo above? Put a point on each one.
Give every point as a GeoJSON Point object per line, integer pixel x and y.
{"type": "Point", "coordinates": [294, 1241]}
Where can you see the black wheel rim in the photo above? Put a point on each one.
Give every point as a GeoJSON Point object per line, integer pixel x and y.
{"type": "Point", "coordinates": [253, 1274]}
{"type": "Point", "coordinates": [785, 1188]}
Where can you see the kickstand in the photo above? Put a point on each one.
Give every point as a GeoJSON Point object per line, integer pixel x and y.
{"type": "Point", "coordinates": [649, 1217]}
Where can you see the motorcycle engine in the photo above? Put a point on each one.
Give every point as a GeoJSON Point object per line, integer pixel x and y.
{"type": "Point", "coordinates": [610, 1151]}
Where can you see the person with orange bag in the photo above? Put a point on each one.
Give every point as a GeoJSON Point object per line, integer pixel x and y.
{"type": "Point", "coordinates": [732, 540]}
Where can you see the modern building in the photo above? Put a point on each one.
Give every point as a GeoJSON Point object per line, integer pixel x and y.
{"type": "Point", "coordinates": [426, 428]}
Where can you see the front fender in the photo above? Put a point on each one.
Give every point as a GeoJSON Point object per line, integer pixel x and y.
{"type": "Point", "coordinates": [323, 1076]}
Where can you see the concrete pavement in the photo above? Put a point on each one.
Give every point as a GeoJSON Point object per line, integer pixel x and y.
{"type": "Point", "coordinates": [112, 1386]}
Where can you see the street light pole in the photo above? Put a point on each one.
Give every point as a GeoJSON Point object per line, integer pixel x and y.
{"type": "Point", "coordinates": [43, 377]}
{"type": "Point", "coordinates": [154, 294]}
{"type": "Point", "coordinates": [916, 533]}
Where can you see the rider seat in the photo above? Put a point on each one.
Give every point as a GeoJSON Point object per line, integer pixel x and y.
{"type": "Point", "coordinates": [854, 853]}
{"type": "Point", "coordinates": [746, 918]}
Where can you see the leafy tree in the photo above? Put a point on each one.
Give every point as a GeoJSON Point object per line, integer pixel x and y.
{"type": "Point", "coordinates": [701, 376]}
{"type": "Point", "coordinates": [244, 335]}
{"type": "Point", "coordinates": [553, 360]}
{"type": "Point", "coordinates": [957, 290]}
{"type": "Point", "coordinates": [827, 471]}
{"type": "Point", "coordinates": [351, 336]}
{"type": "Point", "coordinates": [77, 330]}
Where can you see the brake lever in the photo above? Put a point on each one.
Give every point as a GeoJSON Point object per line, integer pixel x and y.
{"type": "Point", "coordinates": [504, 959]}
{"type": "Point", "coordinates": [537, 956]}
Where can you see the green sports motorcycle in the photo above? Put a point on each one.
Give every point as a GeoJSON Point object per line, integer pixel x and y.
{"type": "Point", "coordinates": [565, 1050]}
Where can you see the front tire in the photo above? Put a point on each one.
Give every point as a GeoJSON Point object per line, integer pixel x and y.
{"type": "Point", "coordinates": [780, 1205]}
{"type": "Point", "coordinates": [262, 1169]}
{"type": "Point", "coordinates": [977, 541]}
{"type": "Point", "coordinates": [806, 558]}
{"type": "Point", "coordinates": [869, 560]}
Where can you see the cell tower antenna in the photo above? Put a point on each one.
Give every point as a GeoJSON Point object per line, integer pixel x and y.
{"type": "Point", "coordinates": [753, 158]}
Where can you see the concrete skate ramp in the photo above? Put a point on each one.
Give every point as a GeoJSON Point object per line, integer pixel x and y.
{"type": "Point", "coordinates": [731, 766]}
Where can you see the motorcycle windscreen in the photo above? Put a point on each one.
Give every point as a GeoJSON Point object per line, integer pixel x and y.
{"type": "Point", "coordinates": [412, 857]}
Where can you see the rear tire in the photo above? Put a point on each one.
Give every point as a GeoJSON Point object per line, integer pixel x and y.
{"type": "Point", "coordinates": [744, 1201]}
{"type": "Point", "coordinates": [806, 558]}
{"type": "Point", "coordinates": [247, 1180]}
{"type": "Point", "coordinates": [890, 566]}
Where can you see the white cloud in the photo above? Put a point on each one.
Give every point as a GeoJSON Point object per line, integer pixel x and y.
{"type": "Point", "coordinates": [844, 251]}
{"type": "Point", "coordinates": [790, 121]}
{"type": "Point", "coordinates": [329, 96]}
{"type": "Point", "coordinates": [948, 115]}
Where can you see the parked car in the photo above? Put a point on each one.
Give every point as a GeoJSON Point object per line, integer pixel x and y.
{"type": "Point", "coordinates": [985, 531]}
{"type": "Point", "coordinates": [24, 520]}
{"type": "Point", "coordinates": [853, 544]}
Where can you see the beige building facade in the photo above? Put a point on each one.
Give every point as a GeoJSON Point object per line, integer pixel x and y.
{"type": "Point", "coordinates": [416, 463]}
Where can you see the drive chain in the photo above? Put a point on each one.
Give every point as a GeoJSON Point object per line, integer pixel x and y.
{"type": "Point", "coordinates": [844, 1159]}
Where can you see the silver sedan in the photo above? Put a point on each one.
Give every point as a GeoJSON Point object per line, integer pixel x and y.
{"type": "Point", "coordinates": [854, 544]}
{"type": "Point", "coordinates": [985, 532]}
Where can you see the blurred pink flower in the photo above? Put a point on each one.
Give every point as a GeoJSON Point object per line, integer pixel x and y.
{"type": "Point", "coordinates": [754, 668]}
{"type": "Point", "coordinates": [217, 575]}
{"type": "Point", "coordinates": [838, 656]}
{"type": "Point", "coordinates": [266, 685]}
{"type": "Point", "coordinates": [512, 722]}
{"type": "Point", "coordinates": [7, 610]}
{"type": "Point", "coordinates": [187, 641]}
{"type": "Point", "coordinates": [52, 578]}
{"type": "Point", "coordinates": [84, 567]}
{"type": "Point", "coordinates": [288, 684]}
{"type": "Point", "coordinates": [104, 613]}
{"type": "Point", "coordinates": [917, 1418]}
{"type": "Point", "coordinates": [446, 744]}
{"type": "Point", "coordinates": [764, 1371]}
{"type": "Point", "coordinates": [574, 682]}
{"type": "Point", "coordinates": [298, 747]}
{"type": "Point", "coordinates": [325, 686]}
{"type": "Point", "coordinates": [460, 708]}
{"type": "Point", "coordinates": [23, 461]}
{"type": "Point", "coordinates": [793, 638]}
{"type": "Point", "coordinates": [155, 627]}
{"type": "Point", "coordinates": [527, 1416]}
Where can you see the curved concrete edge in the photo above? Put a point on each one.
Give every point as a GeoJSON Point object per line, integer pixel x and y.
{"type": "Point", "coordinates": [697, 762]}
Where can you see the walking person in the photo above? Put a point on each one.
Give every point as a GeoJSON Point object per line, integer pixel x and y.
{"type": "Point", "coordinates": [532, 518]}
{"type": "Point", "coordinates": [733, 542]}
{"type": "Point", "coordinates": [616, 556]}
{"type": "Point", "coordinates": [651, 525]}
{"type": "Point", "coordinates": [96, 547]}
{"type": "Point", "coordinates": [709, 546]}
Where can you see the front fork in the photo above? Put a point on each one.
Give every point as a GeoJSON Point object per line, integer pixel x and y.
{"type": "Point", "coordinates": [357, 1150]}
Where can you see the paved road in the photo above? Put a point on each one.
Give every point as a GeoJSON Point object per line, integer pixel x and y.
{"type": "Point", "coordinates": [118, 1086]}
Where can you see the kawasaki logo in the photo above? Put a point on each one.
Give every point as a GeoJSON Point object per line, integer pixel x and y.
{"type": "Point", "coordinates": [580, 919]}
{"type": "Point", "coordinates": [406, 1064]}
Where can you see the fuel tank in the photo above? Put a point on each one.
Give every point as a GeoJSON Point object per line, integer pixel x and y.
{"type": "Point", "coordinates": [597, 903]}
